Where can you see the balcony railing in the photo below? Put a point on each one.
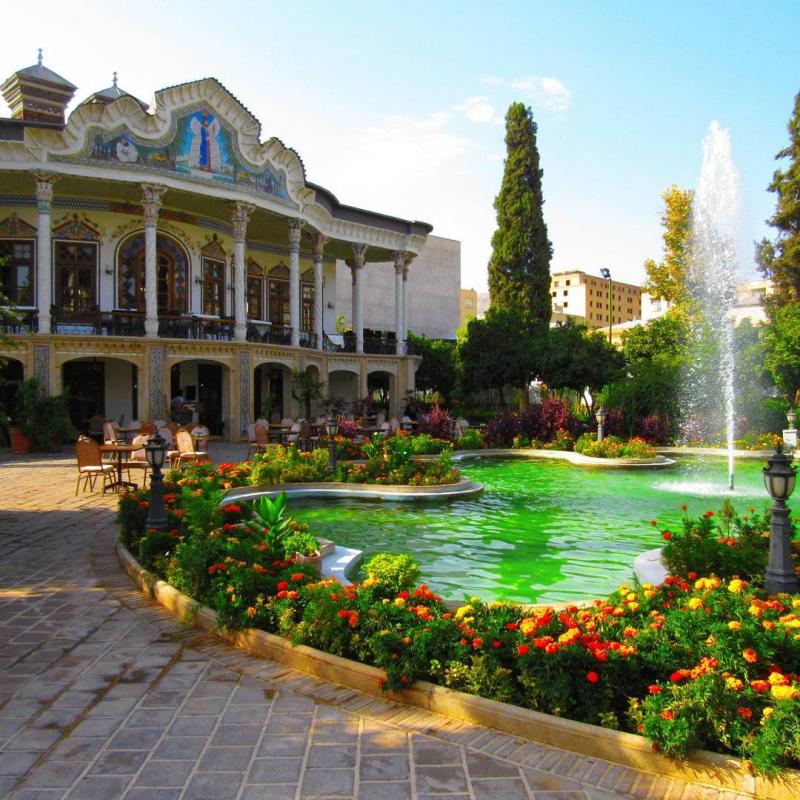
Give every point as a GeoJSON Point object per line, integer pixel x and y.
{"type": "Point", "coordinates": [20, 321]}
{"type": "Point", "coordinates": [186, 327]}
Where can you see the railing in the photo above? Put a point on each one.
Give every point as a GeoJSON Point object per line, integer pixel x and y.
{"type": "Point", "coordinates": [308, 339]}
{"type": "Point", "coordinates": [19, 321]}
{"type": "Point", "coordinates": [122, 323]}
{"type": "Point", "coordinates": [86, 322]}
{"type": "Point", "coordinates": [184, 327]}
{"type": "Point", "coordinates": [380, 344]}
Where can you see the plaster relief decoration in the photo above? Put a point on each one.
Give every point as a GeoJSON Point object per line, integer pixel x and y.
{"type": "Point", "coordinates": [41, 367]}
{"type": "Point", "coordinates": [157, 361]}
{"type": "Point", "coordinates": [244, 390]}
{"type": "Point", "coordinates": [16, 228]}
{"type": "Point", "coordinates": [202, 148]}
{"type": "Point", "coordinates": [77, 230]}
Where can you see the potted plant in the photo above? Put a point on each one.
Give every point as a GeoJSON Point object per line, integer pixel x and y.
{"type": "Point", "coordinates": [40, 419]}
{"type": "Point", "coordinates": [305, 547]}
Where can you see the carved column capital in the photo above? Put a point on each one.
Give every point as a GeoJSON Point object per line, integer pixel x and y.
{"type": "Point", "coordinates": [44, 190]}
{"type": "Point", "coordinates": [240, 215]}
{"type": "Point", "coordinates": [151, 194]}
{"type": "Point", "coordinates": [319, 241]}
{"type": "Point", "coordinates": [401, 260]}
{"type": "Point", "coordinates": [295, 228]}
{"type": "Point", "coordinates": [359, 254]}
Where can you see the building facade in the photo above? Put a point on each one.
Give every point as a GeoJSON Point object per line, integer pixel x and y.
{"type": "Point", "coordinates": [168, 251]}
{"type": "Point", "coordinates": [468, 302]}
{"type": "Point", "coordinates": [585, 298]}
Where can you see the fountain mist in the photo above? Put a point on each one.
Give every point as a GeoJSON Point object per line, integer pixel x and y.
{"type": "Point", "coordinates": [716, 214]}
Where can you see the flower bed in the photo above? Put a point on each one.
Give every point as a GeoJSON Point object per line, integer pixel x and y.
{"type": "Point", "coordinates": [706, 662]}
{"type": "Point", "coordinates": [613, 447]}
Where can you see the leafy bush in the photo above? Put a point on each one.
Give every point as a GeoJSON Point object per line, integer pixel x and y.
{"type": "Point", "coordinates": [437, 422]}
{"type": "Point", "coordinates": [471, 439]}
{"type": "Point", "coordinates": [655, 429]}
{"type": "Point", "coordinates": [391, 573]}
{"type": "Point", "coordinates": [424, 444]}
{"type": "Point", "coordinates": [562, 440]}
{"type": "Point", "coordinates": [501, 430]}
{"type": "Point", "coordinates": [288, 465]}
{"type": "Point", "coordinates": [613, 447]}
{"type": "Point", "coordinates": [302, 542]}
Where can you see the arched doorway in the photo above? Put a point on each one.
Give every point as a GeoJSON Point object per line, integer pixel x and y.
{"type": "Point", "coordinates": [172, 271]}
{"type": "Point", "coordinates": [12, 373]}
{"type": "Point", "coordinates": [343, 387]}
{"type": "Point", "coordinates": [200, 392]}
{"type": "Point", "coordinates": [107, 387]}
{"type": "Point", "coordinates": [271, 391]}
{"type": "Point", "coordinates": [381, 389]}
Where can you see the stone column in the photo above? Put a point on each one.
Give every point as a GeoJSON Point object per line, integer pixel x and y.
{"type": "Point", "coordinates": [151, 204]}
{"type": "Point", "coordinates": [405, 304]}
{"type": "Point", "coordinates": [240, 214]}
{"type": "Point", "coordinates": [44, 250]}
{"type": "Point", "coordinates": [400, 259]}
{"type": "Point", "coordinates": [357, 267]}
{"type": "Point", "coordinates": [319, 247]}
{"type": "Point", "coordinates": [294, 280]}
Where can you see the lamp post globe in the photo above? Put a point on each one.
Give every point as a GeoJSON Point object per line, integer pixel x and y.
{"type": "Point", "coordinates": [332, 428]}
{"type": "Point", "coordinates": [780, 478]}
{"type": "Point", "coordinates": [156, 451]}
{"type": "Point", "coordinates": [606, 273]}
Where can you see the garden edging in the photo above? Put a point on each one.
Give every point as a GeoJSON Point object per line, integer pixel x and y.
{"type": "Point", "coordinates": [564, 455]}
{"type": "Point", "coordinates": [629, 750]}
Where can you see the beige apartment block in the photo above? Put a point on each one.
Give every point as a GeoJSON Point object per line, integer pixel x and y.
{"type": "Point", "coordinates": [468, 300]}
{"type": "Point", "coordinates": [585, 298]}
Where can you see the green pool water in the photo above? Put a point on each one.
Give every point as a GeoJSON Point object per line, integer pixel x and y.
{"type": "Point", "coordinates": [543, 531]}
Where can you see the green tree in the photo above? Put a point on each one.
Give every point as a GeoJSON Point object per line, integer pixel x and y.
{"type": "Point", "coordinates": [519, 269]}
{"type": "Point", "coordinates": [667, 334]}
{"type": "Point", "coordinates": [668, 279]}
{"type": "Point", "coordinates": [438, 371]}
{"type": "Point", "coordinates": [757, 407]}
{"type": "Point", "coordinates": [499, 351]}
{"type": "Point", "coordinates": [780, 260]}
{"type": "Point", "coordinates": [782, 343]}
{"type": "Point", "coordinates": [306, 389]}
{"type": "Point", "coordinates": [579, 359]}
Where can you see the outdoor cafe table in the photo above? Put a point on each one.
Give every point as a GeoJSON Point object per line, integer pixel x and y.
{"type": "Point", "coordinates": [278, 431]}
{"type": "Point", "coordinates": [119, 450]}
{"type": "Point", "coordinates": [129, 431]}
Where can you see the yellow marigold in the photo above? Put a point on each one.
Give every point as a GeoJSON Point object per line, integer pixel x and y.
{"type": "Point", "coordinates": [755, 610]}
{"type": "Point", "coordinates": [737, 586]}
{"type": "Point", "coordinates": [734, 684]}
{"type": "Point", "coordinates": [792, 623]}
{"type": "Point", "coordinates": [648, 586]}
{"type": "Point", "coordinates": [624, 588]}
{"type": "Point", "coordinates": [711, 641]}
{"type": "Point", "coordinates": [370, 582]}
{"type": "Point", "coordinates": [569, 636]}
{"type": "Point", "coordinates": [399, 601]}
{"type": "Point", "coordinates": [734, 625]}
{"type": "Point", "coordinates": [633, 606]}
{"type": "Point", "coordinates": [463, 611]}
{"type": "Point", "coordinates": [785, 692]}
{"type": "Point", "coordinates": [707, 583]}
{"type": "Point", "coordinates": [527, 626]}
{"type": "Point", "coordinates": [776, 679]}
{"type": "Point", "coordinates": [649, 594]}
{"type": "Point", "coordinates": [768, 712]}
{"type": "Point", "coordinates": [796, 602]}
{"type": "Point", "coordinates": [631, 596]}
{"type": "Point", "coordinates": [768, 625]}
{"type": "Point", "coordinates": [695, 603]}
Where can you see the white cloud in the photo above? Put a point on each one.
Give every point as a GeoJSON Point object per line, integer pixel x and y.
{"type": "Point", "coordinates": [476, 109]}
{"type": "Point", "coordinates": [550, 93]}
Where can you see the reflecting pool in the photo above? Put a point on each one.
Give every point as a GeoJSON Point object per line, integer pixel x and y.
{"type": "Point", "coordinates": [543, 531]}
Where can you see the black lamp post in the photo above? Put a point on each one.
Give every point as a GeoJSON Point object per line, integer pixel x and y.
{"type": "Point", "coordinates": [606, 273]}
{"type": "Point", "coordinates": [779, 478]}
{"type": "Point", "coordinates": [332, 428]}
{"type": "Point", "coordinates": [156, 451]}
{"type": "Point", "coordinates": [600, 416]}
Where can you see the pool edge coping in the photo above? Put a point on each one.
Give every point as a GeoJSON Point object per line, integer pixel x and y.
{"type": "Point", "coordinates": [625, 749]}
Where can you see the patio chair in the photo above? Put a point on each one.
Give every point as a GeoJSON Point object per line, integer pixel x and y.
{"type": "Point", "coordinates": [394, 425]}
{"type": "Point", "coordinates": [385, 429]}
{"type": "Point", "coordinates": [201, 434]}
{"type": "Point", "coordinates": [110, 433]}
{"type": "Point", "coordinates": [186, 451]}
{"type": "Point", "coordinates": [149, 428]}
{"type": "Point", "coordinates": [166, 434]}
{"type": "Point", "coordinates": [91, 465]}
{"type": "Point", "coordinates": [261, 439]}
{"type": "Point", "coordinates": [137, 460]}
{"type": "Point", "coordinates": [171, 425]}
{"type": "Point", "coordinates": [96, 425]}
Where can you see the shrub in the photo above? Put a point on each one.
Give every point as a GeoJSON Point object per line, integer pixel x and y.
{"type": "Point", "coordinates": [391, 573]}
{"type": "Point", "coordinates": [655, 429]}
{"type": "Point", "coordinates": [302, 542]}
{"type": "Point", "coordinates": [424, 445]}
{"type": "Point", "coordinates": [562, 440]}
{"type": "Point", "coordinates": [437, 423]}
{"type": "Point", "coordinates": [288, 465]}
{"type": "Point", "coordinates": [613, 447]}
{"type": "Point", "coordinates": [471, 439]}
{"type": "Point", "coordinates": [501, 430]}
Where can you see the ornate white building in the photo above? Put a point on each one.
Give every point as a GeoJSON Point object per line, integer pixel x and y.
{"type": "Point", "coordinates": [165, 250]}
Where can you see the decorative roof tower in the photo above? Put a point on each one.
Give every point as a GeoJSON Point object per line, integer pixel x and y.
{"type": "Point", "coordinates": [37, 94]}
{"type": "Point", "coordinates": [112, 93]}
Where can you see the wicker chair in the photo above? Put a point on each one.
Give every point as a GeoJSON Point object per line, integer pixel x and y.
{"type": "Point", "coordinates": [91, 465]}
{"type": "Point", "coordinates": [138, 458]}
{"type": "Point", "coordinates": [186, 451]}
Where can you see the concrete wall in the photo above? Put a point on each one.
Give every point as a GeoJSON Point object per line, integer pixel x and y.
{"type": "Point", "coordinates": [434, 285]}
{"type": "Point", "coordinates": [118, 388]}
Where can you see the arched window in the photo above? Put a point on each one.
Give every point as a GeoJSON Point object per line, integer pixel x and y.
{"type": "Point", "coordinates": [255, 290]}
{"type": "Point", "coordinates": [307, 301]}
{"type": "Point", "coordinates": [279, 314]}
{"type": "Point", "coordinates": [172, 274]}
{"type": "Point", "coordinates": [213, 278]}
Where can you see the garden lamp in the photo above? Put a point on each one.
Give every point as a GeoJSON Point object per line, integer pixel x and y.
{"type": "Point", "coordinates": [606, 273]}
{"type": "Point", "coordinates": [332, 428]}
{"type": "Point", "coordinates": [600, 416]}
{"type": "Point", "coordinates": [156, 452]}
{"type": "Point", "coordinates": [779, 478]}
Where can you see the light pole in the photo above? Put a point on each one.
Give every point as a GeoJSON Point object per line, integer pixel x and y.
{"type": "Point", "coordinates": [606, 273]}
{"type": "Point", "coordinates": [779, 478]}
{"type": "Point", "coordinates": [155, 452]}
{"type": "Point", "coordinates": [332, 428]}
{"type": "Point", "coordinates": [600, 416]}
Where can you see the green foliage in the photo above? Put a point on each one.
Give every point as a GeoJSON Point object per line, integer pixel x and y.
{"type": "Point", "coordinates": [780, 260]}
{"type": "Point", "coordinates": [155, 545]}
{"type": "Point", "coordinates": [43, 418]}
{"type": "Point", "coordinates": [668, 279]}
{"type": "Point", "coordinates": [300, 541]}
{"type": "Point", "coordinates": [577, 359]}
{"type": "Point", "coordinates": [288, 465]}
{"type": "Point", "coordinates": [439, 370]}
{"type": "Point", "coordinates": [667, 335]}
{"type": "Point", "coordinates": [519, 269]}
{"type": "Point", "coordinates": [390, 573]}
{"type": "Point", "coordinates": [471, 439]}
{"type": "Point", "coordinates": [306, 389]}
{"type": "Point", "coordinates": [758, 408]}
{"type": "Point", "coordinates": [782, 344]}
{"type": "Point", "coordinates": [423, 444]}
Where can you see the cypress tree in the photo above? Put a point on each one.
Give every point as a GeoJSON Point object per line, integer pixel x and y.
{"type": "Point", "coordinates": [780, 259]}
{"type": "Point", "coordinates": [519, 269]}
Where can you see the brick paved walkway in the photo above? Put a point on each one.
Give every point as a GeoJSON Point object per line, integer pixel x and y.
{"type": "Point", "coordinates": [103, 695]}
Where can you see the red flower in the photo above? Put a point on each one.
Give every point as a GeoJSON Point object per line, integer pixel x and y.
{"type": "Point", "coordinates": [495, 643]}
{"type": "Point", "coordinates": [708, 514]}
{"type": "Point", "coordinates": [476, 643]}
{"type": "Point", "coordinates": [512, 626]}
{"type": "Point", "coordinates": [750, 655]}
{"type": "Point", "coordinates": [592, 677]}
{"type": "Point", "coordinates": [683, 507]}
{"type": "Point", "coordinates": [666, 536]}
{"type": "Point", "coordinates": [343, 613]}
{"type": "Point", "coordinates": [654, 522]}
{"type": "Point", "coordinates": [654, 688]}
{"type": "Point", "coordinates": [282, 585]}
{"type": "Point", "coordinates": [667, 715]}
{"type": "Point", "coordinates": [692, 576]}
{"type": "Point", "coordinates": [522, 650]}
{"type": "Point", "coordinates": [552, 649]}
{"type": "Point", "coordinates": [744, 713]}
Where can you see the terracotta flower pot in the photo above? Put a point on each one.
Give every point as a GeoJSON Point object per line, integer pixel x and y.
{"type": "Point", "coordinates": [315, 560]}
{"type": "Point", "coordinates": [20, 443]}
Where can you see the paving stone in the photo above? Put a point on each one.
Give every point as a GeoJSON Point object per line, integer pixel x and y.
{"type": "Point", "coordinates": [206, 786]}
{"type": "Point", "coordinates": [99, 788]}
{"type": "Point", "coordinates": [180, 747]}
{"type": "Point", "coordinates": [440, 779]}
{"type": "Point", "coordinates": [274, 746]}
{"type": "Point", "coordinates": [332, 756]}
{"type": "Point", "coordinates": [119, 762]}
{"type": "Point", "coordinates": [483, 766]}
{"type": "Point", "coordinates": [275, 770]}
{"type": "Point", "coordinates": [500, 789]}
{"type": "Point", "coordinates": [164, 773]}
{"type": "Point", "coordinates": [275, 791]}
{"type": "Point", "coordinates": [232, 759]}
{"type": "Point", "coordinates": [383, 768]}
{"type": "Point", "coordinates": [55, 774]}
{"type": "Point", "coordinates": [395, 790]}
{"type": "Point", "coordinates": [327, 783]}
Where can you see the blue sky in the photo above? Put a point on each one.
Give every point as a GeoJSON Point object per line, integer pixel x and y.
{"type": "Point", "coordinates": [399, 107]}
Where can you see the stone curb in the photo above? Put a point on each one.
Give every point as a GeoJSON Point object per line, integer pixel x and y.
{"type": "Point", "coordinates": [564, 455]}
{"type": "Point", "coordinates": [625, 749]}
